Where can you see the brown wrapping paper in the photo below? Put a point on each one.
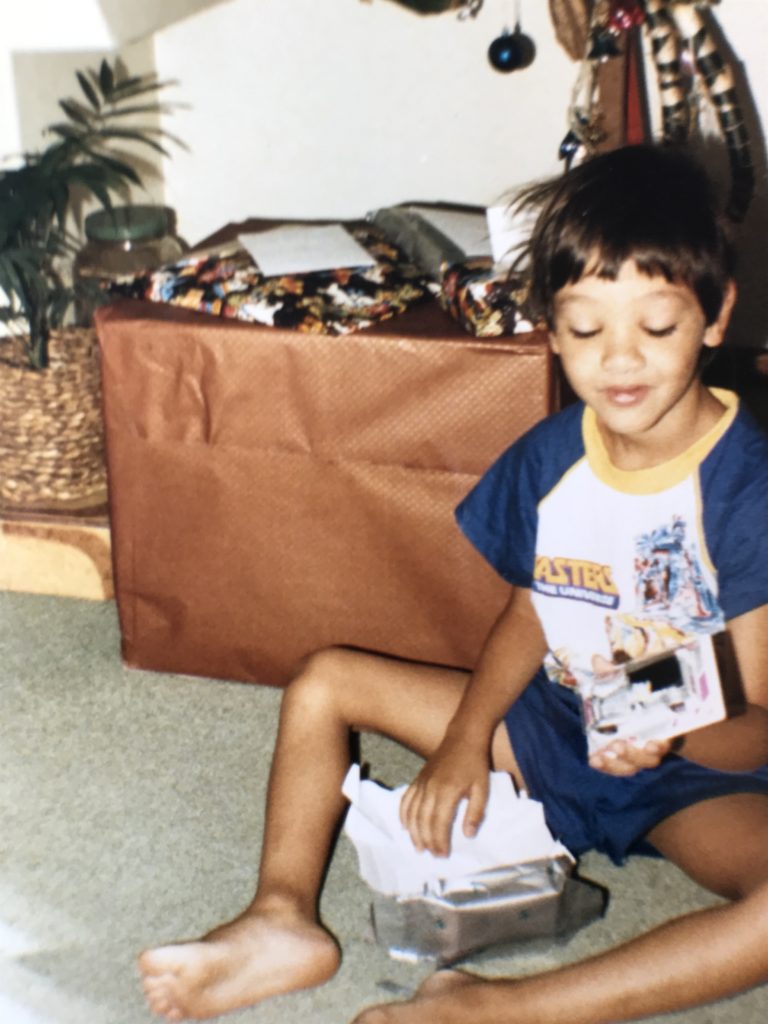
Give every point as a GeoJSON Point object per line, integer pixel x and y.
{"type": "Point", "coordinates": [273, 492]}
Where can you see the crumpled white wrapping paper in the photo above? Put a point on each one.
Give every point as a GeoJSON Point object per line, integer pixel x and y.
{"type": "Point", "coordinates": [513, 831]}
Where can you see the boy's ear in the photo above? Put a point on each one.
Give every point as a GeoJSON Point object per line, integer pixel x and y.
{"type": "Point", "coordinates": [714, 335]}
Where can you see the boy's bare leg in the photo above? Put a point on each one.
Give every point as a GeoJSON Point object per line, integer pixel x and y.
{"type": "Point", "coordinates": [692, 960]}
{"type": "Point", "coordinates": [278, 944]}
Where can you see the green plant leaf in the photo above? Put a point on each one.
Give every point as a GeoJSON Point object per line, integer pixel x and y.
{"type": "Point", "coordinates": [137, 84]}
{"type": "Point", "coordinates": [65, 130]}
{"type": "Point", "coordinates": [76, 112]}
{"type": "Point", "coordinates": [96, 179]}
{"type": "Point", "coordinates": [106, 79]}
{"type": "Point", "coordinates": [120, 167]}
{"type": "Point", "coordinates": [146, 108]}
{"type": "Point", "coordinates": [84, 154]}
{"type": "Point", "coordinates": [88, 89]}
{"type": "Point", "coordinates": [135, 135]}
{"type": "Point", "coordinates": [18, 282]}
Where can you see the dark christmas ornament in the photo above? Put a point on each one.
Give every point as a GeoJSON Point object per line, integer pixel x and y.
{"type": "Point", "coordinates": [512, 51]}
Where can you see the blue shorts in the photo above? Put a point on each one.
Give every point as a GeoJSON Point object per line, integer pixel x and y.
{"type": "Point", "coordinates": [589, 810]}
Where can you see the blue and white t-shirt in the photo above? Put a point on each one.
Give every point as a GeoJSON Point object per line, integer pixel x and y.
{"type": "Point", "coordinates": [624, 564]}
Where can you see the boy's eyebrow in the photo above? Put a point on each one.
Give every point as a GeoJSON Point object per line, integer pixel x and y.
{"type": "Point", "coordinates": [665, 291]}
{"type": "Point", "coordinates": [569, 300]}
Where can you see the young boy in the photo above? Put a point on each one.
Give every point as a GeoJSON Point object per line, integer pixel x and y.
{"type": "Point", "coordinates": [631, 272]}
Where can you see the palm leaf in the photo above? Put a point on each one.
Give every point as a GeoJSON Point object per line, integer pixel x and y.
{"type": "Point", "coordinates": [76, 112]}
{"type": "Point", "coordinates": [133, 87]}
{"type": "Point", "coordinates": [146, 108]}
{"type": "Point", "coordinates": [120, 167]}
{"type": "Point", "coordinates": [106, 79]}
{"type": "Point", "coordinates": [84, 155]}
{"type": "Point", "coordinates": [65, 130]}
{"type": "Point", "coordinates": [88, 89]}
{"type": "Point", "coordinates": [134, 135]}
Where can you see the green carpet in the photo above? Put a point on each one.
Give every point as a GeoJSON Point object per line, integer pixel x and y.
{"type": "Point", "coordinates": [131, 816]}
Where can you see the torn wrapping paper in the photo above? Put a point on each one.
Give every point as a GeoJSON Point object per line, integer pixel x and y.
{"type": "Point", "coordinates": [224, 281]}
{"type": "Point", "coordinates": [511, 882]}
{"type": "Point", "coordinates": [512, 831]}
{"type": "Point", "coordinates": [452, 248]}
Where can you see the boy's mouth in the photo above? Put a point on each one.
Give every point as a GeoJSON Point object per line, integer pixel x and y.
{"type": "Point", "coordinates": [626, 396]}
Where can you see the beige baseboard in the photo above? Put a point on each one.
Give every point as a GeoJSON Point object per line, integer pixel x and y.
{"type": "Point", "coordinates": [66, 552]}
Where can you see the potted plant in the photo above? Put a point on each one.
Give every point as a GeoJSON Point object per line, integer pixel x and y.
{"type": "Point", "coordinates": [49, 381]}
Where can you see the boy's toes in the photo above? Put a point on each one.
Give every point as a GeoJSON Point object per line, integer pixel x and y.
{"type": "Point", "coordinates": [160, 999]}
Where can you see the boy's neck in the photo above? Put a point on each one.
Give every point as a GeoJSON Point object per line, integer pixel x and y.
{"type": "Point", "coordinates": [695, 418]}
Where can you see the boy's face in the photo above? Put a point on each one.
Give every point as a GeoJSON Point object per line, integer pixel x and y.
{"type": "Point", "coordinates": [630, 349]}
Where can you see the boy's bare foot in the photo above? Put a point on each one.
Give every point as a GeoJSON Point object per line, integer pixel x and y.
{"type": "Point", "coordinates": [253, 957]}
{"type": "Point", "coordinates": [437, 989]}
{"type": "Point", "coordinates": [443, 981]}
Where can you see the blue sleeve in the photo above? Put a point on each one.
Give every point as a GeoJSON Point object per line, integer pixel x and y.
{"type": "Point", "coordinates": [499, 516]}
{"type": "Point", "coordinates": [734, 480]}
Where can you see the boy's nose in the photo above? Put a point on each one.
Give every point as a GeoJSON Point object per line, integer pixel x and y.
{"type": "Point", "coordinates": [621, 351]}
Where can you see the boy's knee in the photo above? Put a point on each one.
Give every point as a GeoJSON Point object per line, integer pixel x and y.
{"type": "Point", "coordinates": [319, 675]}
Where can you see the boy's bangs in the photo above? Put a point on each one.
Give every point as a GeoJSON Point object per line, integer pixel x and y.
{"type": "Point", "coordinates": [651, 205]}
{"type": "Point", "coordinates": [583, 253]}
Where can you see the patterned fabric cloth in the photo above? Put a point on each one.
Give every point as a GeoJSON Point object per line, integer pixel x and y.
{"type": "Point", "coordinates": [479, 297]}
{"type": "Point", "coordinates": [328, 302]}
{"type": "Point", "coordinates": [485, 302]}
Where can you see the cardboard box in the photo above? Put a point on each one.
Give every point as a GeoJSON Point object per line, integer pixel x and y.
{"type": "Point", "coordinates": [274, 492]}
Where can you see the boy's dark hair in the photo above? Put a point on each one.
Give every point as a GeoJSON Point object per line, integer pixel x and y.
{"type": "Point", "coordinates": [651, 204]}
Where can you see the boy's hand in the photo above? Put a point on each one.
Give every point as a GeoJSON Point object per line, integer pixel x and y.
{"type": "Point", "coordinates": [456, 770]}
{"type": "Point", "coordinates": [623, 758]}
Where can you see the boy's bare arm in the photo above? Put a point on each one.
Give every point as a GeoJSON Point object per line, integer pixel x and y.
{"type": "Point", "coordinates": [740, 743]}
{"type": "Point", "coordinates": [459, 768]}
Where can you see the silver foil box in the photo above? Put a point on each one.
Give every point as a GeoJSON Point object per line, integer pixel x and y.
{"type": "Point", "coordinates": [516, 903]}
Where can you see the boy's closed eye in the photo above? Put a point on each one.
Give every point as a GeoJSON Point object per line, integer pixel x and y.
{"type": "Point", "coordinates": [660, 332]}
{"type": "Point", "coordinates": [584, 332]}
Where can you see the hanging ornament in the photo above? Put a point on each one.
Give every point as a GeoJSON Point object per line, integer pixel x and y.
{"type": "Point", "coordinates": [466, 8]}
{"type": "Point", "coordinates": [569, 147]}
{"type": "Point", "coordinates": [604, 44]}
{"type": "Point", "coordinates": [609, 20]}
{"type": "Point", "coordinates": [625, 14]}
{"type": "Point", "coordinates": [512, 51]}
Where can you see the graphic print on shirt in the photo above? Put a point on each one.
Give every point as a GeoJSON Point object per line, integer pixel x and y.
{"type": "Point", "coordinates": [670, 580]}
{"type": "Point", "coordinates": [672, 601]}
{"type": "Point", "coordinates": [577, 579]}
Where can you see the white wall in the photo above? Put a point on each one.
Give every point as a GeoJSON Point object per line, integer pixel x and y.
{"type": "Point", "coordinates": [41, 26]}
{"type": "Point", "coordinates": [43, 42]}
{"type": "Point", "coordinates": [331, 108]}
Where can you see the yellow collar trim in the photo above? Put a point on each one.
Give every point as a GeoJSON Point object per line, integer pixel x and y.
{"type": "Point", "coordinates": [667, 474]}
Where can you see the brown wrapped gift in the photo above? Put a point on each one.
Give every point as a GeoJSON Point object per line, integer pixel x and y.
{"type": "Point", "coordinates": [273, 492]}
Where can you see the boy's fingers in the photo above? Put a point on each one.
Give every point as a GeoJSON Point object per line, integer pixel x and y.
{"type": "Point", "coordinates": [475, 812]}
{"type": "Point", "coordinates": [405, 805]}
{"type": "Point", "coordinates": [622, 758]}
{"type": "Point", "coordinates": [412, 815]}
{"type": "Point", "coordinates": [440, 819]}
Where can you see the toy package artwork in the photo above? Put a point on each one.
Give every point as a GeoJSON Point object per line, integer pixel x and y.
{"type": "Point", "coordinates": [658, 697]}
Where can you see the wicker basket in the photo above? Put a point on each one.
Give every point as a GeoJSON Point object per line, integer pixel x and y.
{"type": "Point", "coordinates": [51, 431]}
